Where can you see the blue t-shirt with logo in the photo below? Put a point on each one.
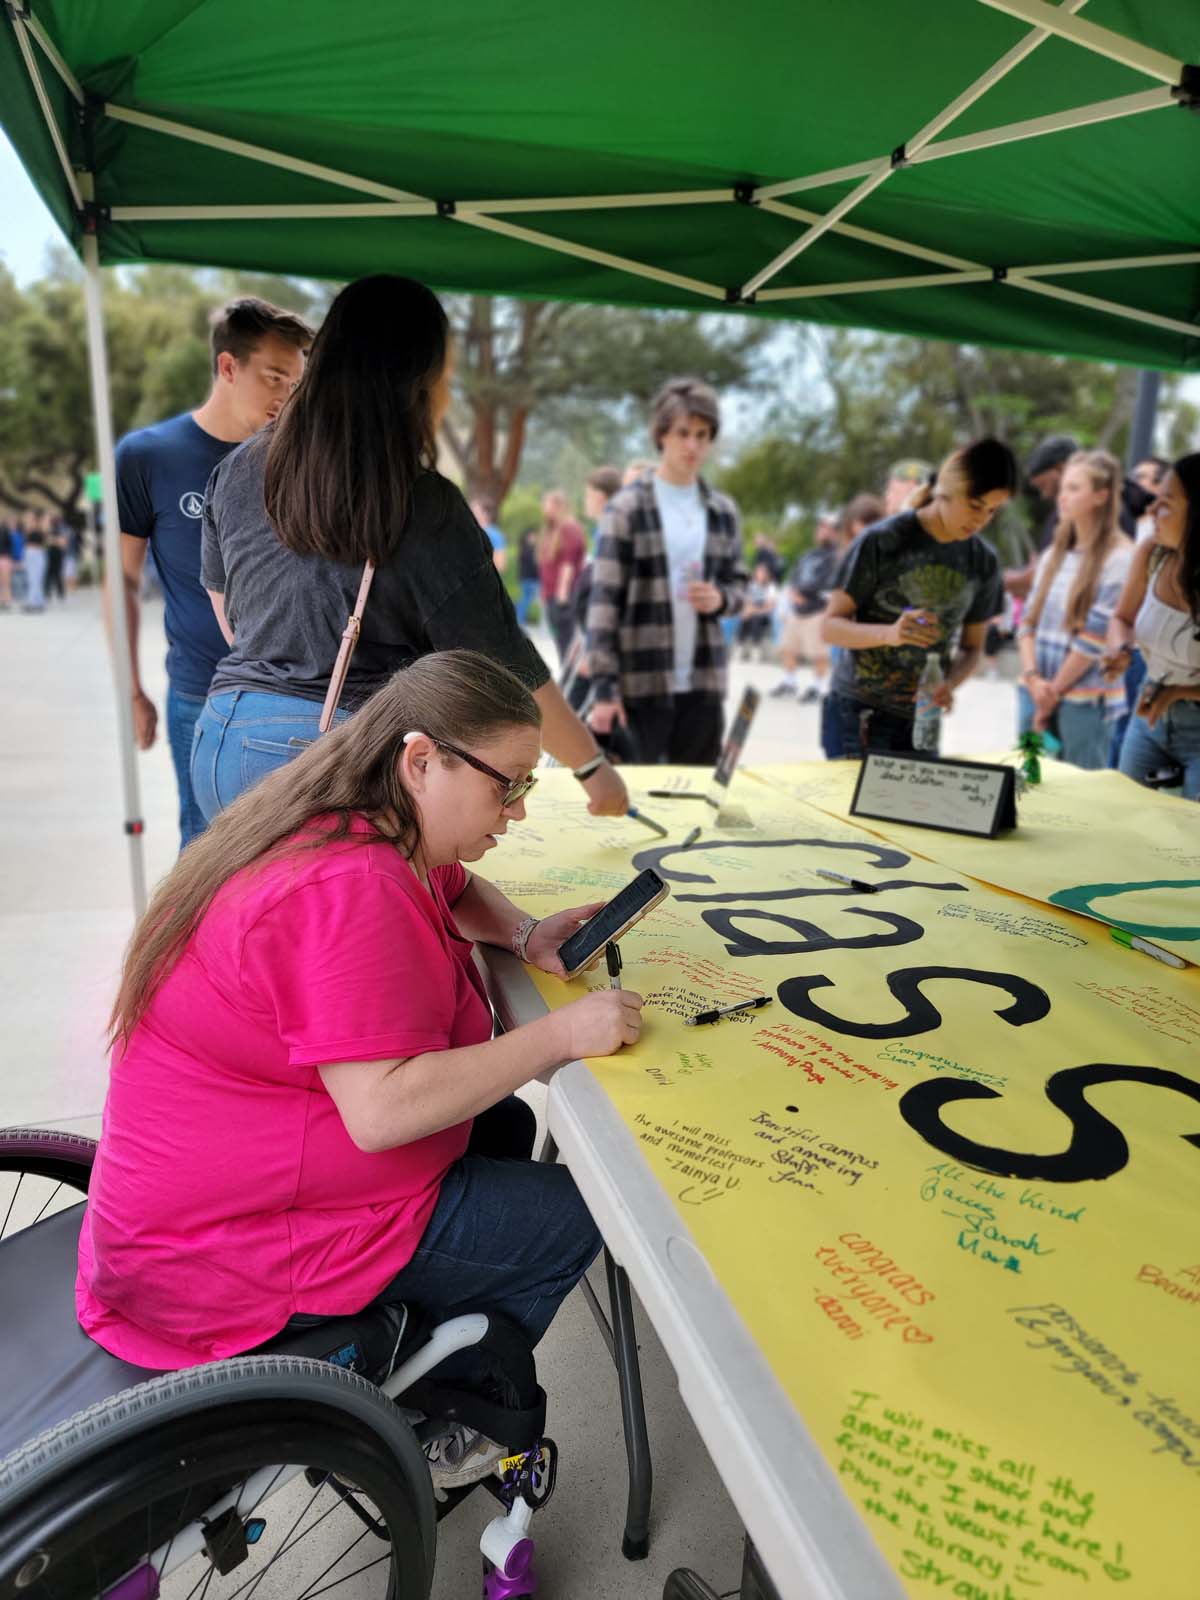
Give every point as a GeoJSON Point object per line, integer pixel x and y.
{"type": "Point", "coordinates": [162, 472]}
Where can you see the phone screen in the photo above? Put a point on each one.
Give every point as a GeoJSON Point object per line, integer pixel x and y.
{"type": "Point", "coordinates": [594, 935]}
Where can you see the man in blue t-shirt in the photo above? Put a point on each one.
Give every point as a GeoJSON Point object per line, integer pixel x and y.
{"type": "Point", "coordinates": [162, 472]}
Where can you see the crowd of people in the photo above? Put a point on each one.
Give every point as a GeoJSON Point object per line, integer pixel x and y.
{"type": "Point", "coordinates": [39, 559]}
{"type": "Point", "coordinates": [355, 712]}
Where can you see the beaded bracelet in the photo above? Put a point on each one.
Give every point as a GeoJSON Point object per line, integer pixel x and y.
{"type": "Point", "coordinates": [521, 936]}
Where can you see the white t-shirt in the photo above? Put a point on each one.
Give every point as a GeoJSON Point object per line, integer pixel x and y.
{"type": "Point", "coordinates": [685, 531]}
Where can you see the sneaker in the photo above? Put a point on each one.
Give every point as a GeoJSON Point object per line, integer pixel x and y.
{"type": "Point", "coordinates": [461, 1456]}
{"type": "Point", "coordinates": [782, 690]}
{"type": "Point", "coordinates": [810, 695]}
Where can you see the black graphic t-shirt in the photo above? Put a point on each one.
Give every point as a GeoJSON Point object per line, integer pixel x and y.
{"type": "Point", "coordinates": [895, 565]}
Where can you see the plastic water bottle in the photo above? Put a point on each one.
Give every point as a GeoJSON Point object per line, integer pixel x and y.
{"type": "Point", "coordinates": [927, 718]}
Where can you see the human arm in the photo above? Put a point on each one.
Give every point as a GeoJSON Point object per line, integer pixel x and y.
{"type": "Point", "coordinates": [1152, 706]}
{"type": "Point", "coordinates": [724, 594]}
{"type": "Point", "coordinates": [384, 1104]}
{"type": "Point", "coordinates": [486, 915]}
{"type": "Point", "coordinates": [966, 660]}
{"type": "Point", "coordinates": [568, 740]}
{"type": "Point", "coordinates": [133, 565]}
{"type": "Point", "coordinates": [218, 605]}
{"type": "Point", "coordinates": [1118, 641]}
{"type": "Point", "coordinates": [606, 606]}
{"type": "Point", "coordinates": [838, 626]}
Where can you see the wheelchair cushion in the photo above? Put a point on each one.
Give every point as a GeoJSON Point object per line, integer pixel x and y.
{"type": "Point", "coordinates": [51, 1368]}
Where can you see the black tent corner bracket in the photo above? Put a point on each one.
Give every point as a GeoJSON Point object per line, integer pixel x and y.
{"type": "Point", "coordinates": [899, 156]}
{"type": "Point", "coordinates": [446, 208]}
{"type": "Point", "coordinates": [19, 10]}
{"type": "Point", "coordinates": [93, 217]}
{"type": "Point", "coordinates": [1187, 90]}
{"type": "Point", "coordinates": [735, 297]}
{"type": "Point", "coordinates": [999, 274]}
{"type": "Point", "coordinates": [743, 193]}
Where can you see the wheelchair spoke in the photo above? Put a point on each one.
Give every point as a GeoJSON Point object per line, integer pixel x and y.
{"type": "Point", "coordinates": [12, 1202]}
{"type": "Point", "coordinates": [288, 1543]}
{"type": "Point", "coordinates": [50, 1200]}
{"type": "Point", "coordinates": [311, 1594]}
{"type": "Point", "coordinates": [306, 1593]}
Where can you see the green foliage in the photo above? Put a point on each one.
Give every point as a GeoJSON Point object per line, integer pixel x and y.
{"type": "Point", "coordinates": [522, 509]}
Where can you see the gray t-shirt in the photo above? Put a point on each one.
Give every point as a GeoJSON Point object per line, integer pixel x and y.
{"type": "Point", "coordinates": [439, 591]}
{"type": "Point", "coordinates": [894, 565]}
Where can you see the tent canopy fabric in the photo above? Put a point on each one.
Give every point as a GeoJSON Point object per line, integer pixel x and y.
{"type": "Point", "coordinates": [650, 155]}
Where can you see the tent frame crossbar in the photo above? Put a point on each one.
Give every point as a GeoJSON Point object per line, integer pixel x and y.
{"type": "Point", "coordinates": [1091, 36]}
{"type": "Point", "coordinates": [20, 28]}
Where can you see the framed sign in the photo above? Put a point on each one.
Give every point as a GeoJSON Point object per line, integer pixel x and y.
{"type": "Point", "coordinates": [927, 792]}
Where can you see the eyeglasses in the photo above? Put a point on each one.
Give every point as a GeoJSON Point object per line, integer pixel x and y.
{"type": "Point", "coordinates": [513, 790]}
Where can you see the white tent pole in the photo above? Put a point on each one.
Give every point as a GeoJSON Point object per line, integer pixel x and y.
{"type": "Point", "coordinates": [981, 85]}
{"type": "Point", "coordinates": [1000, 69]}
{"type": "Point", "coordinates": [113, 572]}
{"type": "Point", "coordinates": [333, 211]}
{"type": "Point", "coordinates": [851, 230]}
{"type": "Point", "coordinates": [43, 100]}
{"type": "Point", "coordinates": [929, 280]}
{"type": "Point", "coordinates": [1090, 36]}
{"type": "Point", "coordinates": [50, 51]}
{"type": "Point", "coordinates": [1188, 258]}
{"type": "Point", "coordinates": [1091, 303]}
{"type": "Point", "coordinates": [256, 152]}
{"type": "Point", "coordinates": [602, 258]}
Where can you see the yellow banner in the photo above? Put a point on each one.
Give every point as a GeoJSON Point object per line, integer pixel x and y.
{"type": "Point", "coordinates": [949, 1177]}
{"type": "Point", "coordinates": [1091, 842]}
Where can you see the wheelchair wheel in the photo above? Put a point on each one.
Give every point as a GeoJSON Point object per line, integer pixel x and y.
{"type": "Point", "coordinates": [265, 1475]}
{"type": "Point", "coordinates": [41, 1172]}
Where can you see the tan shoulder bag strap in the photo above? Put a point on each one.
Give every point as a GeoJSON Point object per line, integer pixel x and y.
{"type": "Point", "coordinates": [341, 666]}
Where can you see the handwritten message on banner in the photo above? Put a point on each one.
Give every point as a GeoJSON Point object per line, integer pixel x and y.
{"type": "Point", "coordinates": [949, 1177]}
{"type": "Point", "coordinates": [1091, 842]}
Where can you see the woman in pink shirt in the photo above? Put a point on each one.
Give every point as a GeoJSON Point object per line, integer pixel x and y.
{"type": "Point", "coordinates": [302, 1042]}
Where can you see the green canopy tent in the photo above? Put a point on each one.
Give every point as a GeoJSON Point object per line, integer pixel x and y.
{"type": "Point", "coordinates": [989, 171]}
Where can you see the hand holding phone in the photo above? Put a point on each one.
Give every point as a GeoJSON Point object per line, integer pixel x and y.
{"type": "Point", "coordinates": [614, 920]}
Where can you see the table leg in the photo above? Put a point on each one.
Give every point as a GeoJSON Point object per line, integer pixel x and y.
{"type": "Point", "coordinates": [636, 1543]}
{"type": "Point", "coordinates": [684, 1584]}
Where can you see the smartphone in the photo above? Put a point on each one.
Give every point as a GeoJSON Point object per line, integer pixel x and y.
{"type": "Point", "coordinates": [645, 892]}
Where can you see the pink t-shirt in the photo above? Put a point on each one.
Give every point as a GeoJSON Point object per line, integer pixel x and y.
{"type": "Point", "coordinates": [227, 1195]}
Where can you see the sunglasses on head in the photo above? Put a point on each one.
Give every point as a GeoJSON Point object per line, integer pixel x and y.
{"type": "Point", "coordinates": [514, 789]}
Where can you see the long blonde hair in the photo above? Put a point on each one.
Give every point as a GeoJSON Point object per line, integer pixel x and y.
{"type": "Point", "coordinates": [458, 696]}
{"type": "Point", "coordinates": [1105, 472]}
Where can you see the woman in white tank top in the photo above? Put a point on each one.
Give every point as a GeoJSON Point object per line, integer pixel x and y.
{"type": "Point", "coordinates": [1160, 608]}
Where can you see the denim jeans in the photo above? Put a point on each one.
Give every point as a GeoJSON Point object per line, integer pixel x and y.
{"type": "Point", "coordinates": [864, 728]}
{"type": "Point", "coordinates": [529, 591]}
{"type": "Point", "coordinates": [35, 578]}
{"type": "Point", "coordinates": [1174, 740]}
{"type": "Point", "coordinates": [242, 736]}
{"type": "Point", "coordinates": [507, 1234]}
{"type": "Point", "coordinates": [183, 712]}
{"type": "Point", "coordinates": [1135, 676]}
{"type": "Point", "coordinates": [1080, 728]}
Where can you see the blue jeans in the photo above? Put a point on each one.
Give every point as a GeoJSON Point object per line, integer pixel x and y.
{"type": "Point", "coordinates": [1080, 728]}
{"type": "Point", "coordinates": [1135, 676]}
{"type": "Point", "coordinates": [864, 728]}
{"type": "Point", "coordinates": [530, 588]}
{"type": "Point", "coordinates": [35, 577]}
{"type": "Point", "coordinates": [183, 712]}
{"type": "Point", "coordinates": [242, 736]}
{"type": "Point", "coordinates": [507, 1234]}
{"type": "Point", "coordinates": [1174, 740]}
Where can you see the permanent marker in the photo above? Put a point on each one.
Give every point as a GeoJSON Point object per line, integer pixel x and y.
{"type": "Point", "coordinates": [728, 1011]}
{"type": "Point", "coordinates": [675, 794]}
{"type": "Point", "coordinates": [691, 838]}
{"type": "Point", "coordinates": [853, 883]}
{"type": "Point", "coordinates": [1167, 957]}
{"type": "Point", "coordinates": [612, 956]}
{"type": "Point", "coordinates": [647, 822]}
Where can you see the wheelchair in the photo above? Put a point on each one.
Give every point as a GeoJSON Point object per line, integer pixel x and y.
{"type": "Point", "coordinates": [296, 1470]}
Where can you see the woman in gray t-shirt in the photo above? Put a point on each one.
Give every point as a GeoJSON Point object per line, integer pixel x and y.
{"type": "Point", "coordinates": [348, 474]}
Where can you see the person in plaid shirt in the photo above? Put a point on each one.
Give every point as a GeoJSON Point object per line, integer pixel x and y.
{"type": "Point", "coordinates": [668, 567]}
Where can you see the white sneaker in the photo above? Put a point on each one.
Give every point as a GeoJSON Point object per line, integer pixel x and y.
{"type": "Point", "coordinates": [461, 1456]}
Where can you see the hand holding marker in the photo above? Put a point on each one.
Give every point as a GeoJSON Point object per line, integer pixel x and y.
{"type": "Point", "coordinates": [647, 822]}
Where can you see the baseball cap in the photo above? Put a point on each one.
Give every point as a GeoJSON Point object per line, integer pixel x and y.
{"type": "Point", "coordinates": [1052, 452]}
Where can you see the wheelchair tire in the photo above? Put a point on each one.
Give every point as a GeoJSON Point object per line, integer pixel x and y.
{"type": "Point", "coordinates": [43, 1153]}
{"type": "Point", "coordinates": [83, 1505]}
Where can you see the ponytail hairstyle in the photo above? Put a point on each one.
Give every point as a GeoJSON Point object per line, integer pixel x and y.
{"type": "Point", "coordinates": [972, 470]}
{"type": "Point", "coordinates": [1105, 473]}
{"type": "Point", "coordinates": [458, 696]}
{"type": "Point", "coordinates": [1187, 470]}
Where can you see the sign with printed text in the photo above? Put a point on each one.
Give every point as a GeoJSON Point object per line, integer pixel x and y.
{"type": "Point", "coordinates": [948, 1178]}
{"type": "Point", "coordinates": [926, 792]}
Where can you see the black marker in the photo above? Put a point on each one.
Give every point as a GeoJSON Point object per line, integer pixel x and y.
{"type": "Point", "coordinates": [691, 838]}
{"type": "Point", "coordinates": [728, 1011]}
{"type": "Point", "coordinates": [612, 956]}
{"type": "Point", "coordinates": [853, 883]}
{"type": "Point", "coordinates": [647, 822]}
{"type": "Point", "coordinates": [675, 794]}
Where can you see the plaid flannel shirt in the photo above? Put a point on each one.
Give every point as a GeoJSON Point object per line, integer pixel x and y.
{"type": "Point", "coordinates": [1054, 642]}
{"type": "Point", "coordinates": [630, 618]}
